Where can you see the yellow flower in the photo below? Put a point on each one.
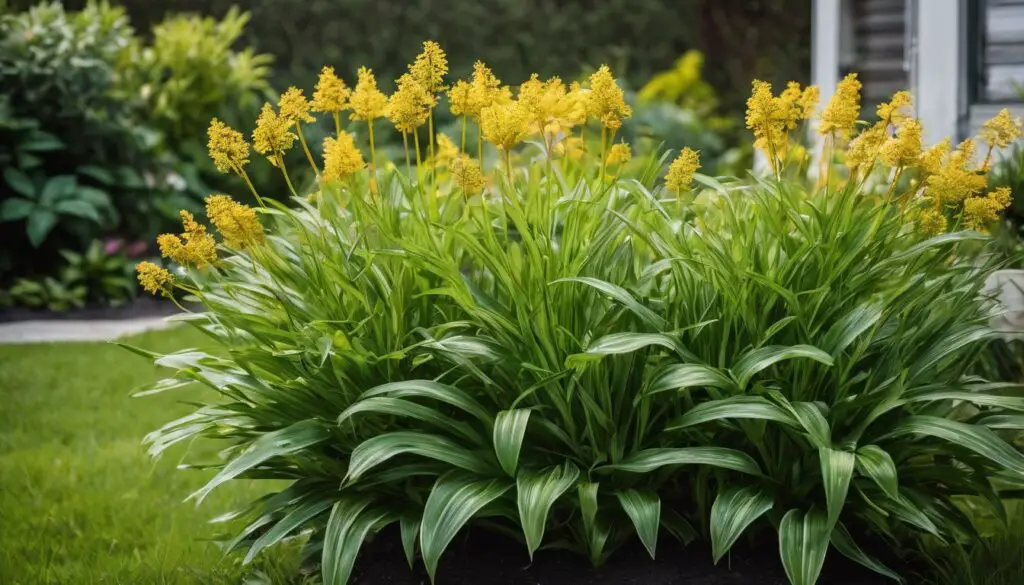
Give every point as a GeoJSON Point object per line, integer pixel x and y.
{"type": "Point", "coordinates": [576, 105]}
{"type": "Point", "coordinates": [367, 102]}
{"type": "Point", "coordinates": [409, 107]}
{"type": "Point", "coordinates": [154, 279]}
{"type": "Point", "coordinates": [931, 159]}
{"type": "Point", "coordinates": [605, 100]}
{"type": "Point", "coordinates": [460, 98]}
{"type": "Point", "coordinates": [980, 212]}
{"type": "Point", "coordinates": [895, 111]}
{"type": "Point", "coordinates": [771, 118]}
{"type": "Point", "coordinates": [840, 115]}
{"type": "Point", "coordinates": [1000, 131]}
{"type": "Point", "coordinates": [808, 101]}
{"type": "Point", "coordinates": [331, 93]}
{"type": "Point", "coordinates": [1002, 196]}
{"type": "Point", "coordinates": [228, 149]}
{"type": "Point", "coordinates": [484, 92]}
{"type": "Point", "coordinates": [572, 147]}
{"type": "Point", "coordinates": [681, 171]}
{"type": "Point", "coordinates": [932, 221]}
{"type": "Point", "coordinates": [905, 148]}
{"type": "Point", "coordinates": [430, 67]}
{"type": "Point", "coordinates": [505, 125]}
{"type": "Point", "coordinates": [865, 147]}
{"type": "Point", "coordinates": [446, 150]}
{"type": "Point", "coordinates": [551, 112]}
{"type": "Point", "coordinates": [237, 223]}
{"type": "Point", "coordinates": [294, 106]}
{"type": "Point", "coordinates": [618, 154]}
{"type": "Point", "coordinates": [956, 180]}
{"type": "Point", "coordinates": [466, 174]}
{"type": "Point", "coordinates": [192, 246]}
{"type": "Point", "coordinates": [341, 157]}
{"type": "Point", "coordinates": [272, 136]}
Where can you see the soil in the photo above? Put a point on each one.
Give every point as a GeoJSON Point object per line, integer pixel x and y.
{"type": "Point", "coordinates": [482, 558]}
{"type": "Point", "coordinates": [143, 306]}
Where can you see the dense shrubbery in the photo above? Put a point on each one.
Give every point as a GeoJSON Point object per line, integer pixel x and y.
{"type": "Point", "coordinates": [564, 345]}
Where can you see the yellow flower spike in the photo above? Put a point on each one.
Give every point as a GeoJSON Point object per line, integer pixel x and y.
{"type": "Point", "coordinates": [294, 106]}
{"type": "Point", "coordinates": [460, 98]}
{"type": "Point", "coordinates": [865, 147]}
{"type": "Point", "coordinates": [1002, 197]}
{"type": "Point", "coordinates": [409, 107]}
{"type": "Point", "coordinates": [228, 149]}
{"type": "Point", "coordinates": [485, 91]}
{"type": "Point", "coordinates": [903, 149]}
{"type": "Point", "coordinates": [505, 125]}
{"type": "Point", "coordinates": [770, 118]}
{"type": "Point", "coordinates": [367, 102]}
{"type": "Point", "coordinates": [681, 171]}
{"type": "Point", "coordinates": [331, 94]}
{"type": "Point", "coordinates": [957, 179]}
{"type": "Point", "coordinates": [895, 110]}
{"type": "Point", "coordinates": [447, 151]}
{"type": "Point", "coordinates": [606, 101]}
{"type": "Point", "coordinates": [341, 157]}
{"type": "Point", "coordinates": [1001, 130]}
{"type": "Point", "coordinates": [808, 101]}
{"type": "Point", "coordinates": [932, 221]}
{"type": "Point", "coordinates": [840, 115]}
{"type": "Point", "coordinates": [980, 212]}
{"type": "Point", "coordinates": [430, 67]}
{"type": "Point", "coordinates": [931, 159]}
{"type": "Point", "coordinates": [192, 247]}
{"type": "Point", "coordinates": [576, 105]}
{"type": "Point", "coordinates": [237, 223]}
{"type": "Point", "coordinates": [466, 174]}
{"type": "Point", "coordinates": [619, 154]}
{"type": "Point", "coordinates": [155, 279]}
{"type": "Point", "coordinates": [272, 136]}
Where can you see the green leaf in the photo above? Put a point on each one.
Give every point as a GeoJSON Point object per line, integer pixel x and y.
{"type": "Point", "coordinates": [836, 472]}
{"type": "Point", "coordinates": [410, 528]}
{"type": "Point", "coordinates": [850, 327]}
{"type": "Point", "coordinates": [951, 344]}
{"type": "Point", "coordinates": [77, 209]}
{"type": "Point", "coordinates": [844, 543]}
{"type": "Point", "coordinates": [407, 409]}
{"type": "Point", "coordinates": [350, 521]}
{"type": "Point", "coordinates": [620, 343]}
{"type": "Point", "coordinates": [678, 376]}
{"type": "Point", "coordinates": [648, 460]}
{"type": "Point", "coordinates": [377, 450]}
{"type": "Point", "coordinates": [733, 511]}
{"type": "Point", "coordinates": [40, 223]}
{"type": "Point", "coordinates": [15, 209]}
{"type": "Point", "coordinates": [40, 141]}
{"type": "Point", "coordinates": [20, 182]}
{"type": "Point", "coordinates": [509, 429]}
{"type": "Point", "coordinates": [57, 188]}
{"type": "Point", "coordinates": [622, 296]}
{"type": "Point", "coordinates": [536, 493]}
{"type": "Point", "coordinates": [761, 358]}
{"type": "Point", "coordinates": [875, 462]}
{"type": "Point", "coordinates": [813, 422]}
{"type": "Point", "coordinates": [293, 520]}
{"type": "Point", "coordinates": [597, 532]}
{"type": "Point", "coordinates": [735, 407]}
{"type": "Point", "coordinates": [803, 542]}
{"type": "Point", "coordinates": [435, 391]}
{"type": "Point", "coordinates": [454, 500]}
{"type": "Point", "coordinates": [97, 173]}
{"type": "Point", "coordinates": [286, 441]}
{"type": "Point", "coordinates": [979, 439]}
{"type": "Point", "coordinates": [644, 509]}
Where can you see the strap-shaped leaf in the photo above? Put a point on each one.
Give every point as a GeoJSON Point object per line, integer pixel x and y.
{"type": "Point", "coordinates": [836, 472]}
{"type": "Point", "coordinates": [847, 329]}
{"type": "Point", "coordinates": [976, 438]}
{"type": "Point", "coordinates": [676, 376]}
{"type": "Point", "coordinates": [813, 423]}
{"type": "Point", "coordinates": [296, 437]}
{"type": "Point", "coordinates": [733, 511]}
{"type": "Point", "coordinates": [377, 450]}
{"type": "Point", "coordinates": [846, 546]}
{"type": "Point", "coordinates": [351, 520]}
{"type": "Point", "coordinates": [734, 407]}
{"type": "Point", "coordinates": [803, 543]}
{"type": "Point", "coordinates": [410, 528]}
{"type": "Point", "coordinates": [621, 343]}
{"type": "Point", "coordinates": [597, 532]}
{"type": "Point", "coordinates": [756, 360]}
{"type": "Point", "coordinates": [876, 463]}
{"type": "Point", "coordinates": [644, 509]}
{"type": "Point", "coordinates": [408, 409]}
{"type": "Point", "coordinates": [435, 391]}
{"type": "Point", "coordinates": [650, 459]}
{"type": "Point", "coordinates": [951, 344]}
{"type": "Point", "coordinates": [536, 493]}
{"type": "Point", "coordinates": [623, 297]}
{"type": "Point", "coordinates": [509, 429]}
{"type": "Point", "coordinates": [291, 521]}
{"type": "Point", "coordinates": [455, 499]}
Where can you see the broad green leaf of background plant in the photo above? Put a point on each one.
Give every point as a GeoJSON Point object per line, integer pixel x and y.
{"type": "Point", "coordinates": [844, 543]}
{"type": "Point", "coordinates": [979, 439]}
{"type": "Point", "coordinates": [509, 428]}
{"type": "Point", "coordinates": [733, 511]}
{"type": "Point", "coordinates": [803, 542]}
{"type": "Point", "coordinates": [536, 492]}
{"type": "Point", "coordinates": [455, 499]}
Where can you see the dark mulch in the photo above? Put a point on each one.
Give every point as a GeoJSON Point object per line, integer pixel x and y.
{"type": "Point", "coordinates": [481, 558]}
{"type": "Point", "coordinates": [143, 306]}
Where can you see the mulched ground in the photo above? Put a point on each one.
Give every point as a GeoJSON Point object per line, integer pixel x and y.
{"type": "Point", "coordinates": [479, 558]}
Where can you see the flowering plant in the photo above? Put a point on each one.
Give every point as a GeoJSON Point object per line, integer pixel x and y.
{"type": "Point", "coordinates": [575, 350]}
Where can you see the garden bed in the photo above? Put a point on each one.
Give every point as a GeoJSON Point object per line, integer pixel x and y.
{"type": "Point", "coordinates": [477, 557]}
{"type": "Point", "coordinates": [138, 308]}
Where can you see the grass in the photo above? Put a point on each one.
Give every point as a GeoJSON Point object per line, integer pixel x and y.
{"type": "Point", "coordinates": [80, 500]}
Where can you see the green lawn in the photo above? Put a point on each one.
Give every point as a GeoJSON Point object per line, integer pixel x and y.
{"type": "Point", "coordinates": [80, 501]}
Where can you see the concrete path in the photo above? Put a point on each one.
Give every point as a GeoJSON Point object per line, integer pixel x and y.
{"type": "Point", "coordinates": [59, 330]}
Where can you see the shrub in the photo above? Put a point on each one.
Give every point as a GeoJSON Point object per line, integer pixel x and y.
{"type": "Point", "coordinates": [570, 349]}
